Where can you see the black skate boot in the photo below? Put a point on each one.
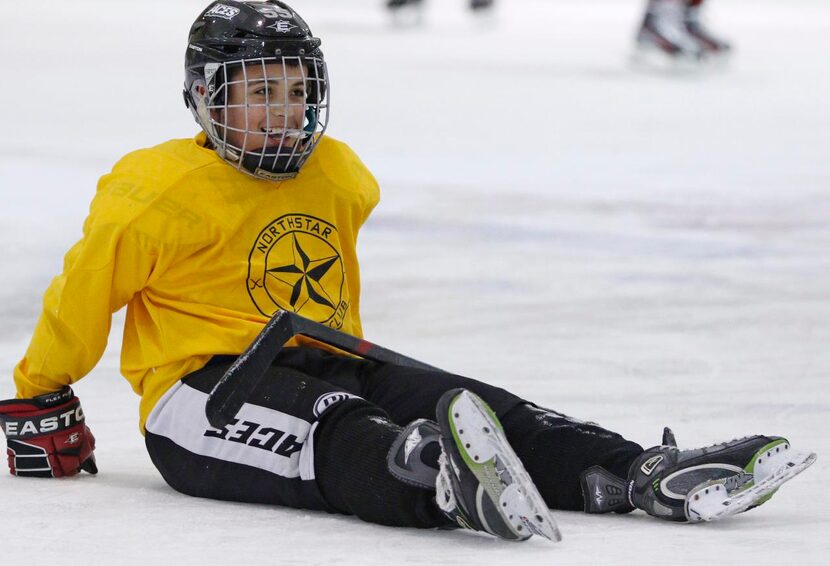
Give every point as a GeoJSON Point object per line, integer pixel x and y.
{"type": "Point", "coordinates": [396, 4]}
{"type": "Point", "coordinates": [663, 36]}
{"type": "Point", "coordinates": [712, 45]}
{"type": "Point", "coordinates": [703, 484]}
{"type": "Point", "coordinates": [479, 482]}
{"type": "Point", "coordinates": [482, 485]}
{"type": "Point", "coordinates": [480, 4]}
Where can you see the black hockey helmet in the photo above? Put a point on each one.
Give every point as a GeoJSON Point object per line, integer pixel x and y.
{"type": "Point", "coordinates": [232, 40]}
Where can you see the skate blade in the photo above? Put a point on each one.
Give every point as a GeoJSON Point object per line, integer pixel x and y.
{"type": "Point", "coordinates": [651, 59]}
{"type": "Point", "coordinates": [482, 444]}
{"type": "Point", "coordinates": [407, 16]}
{"type": "Point", "coordinates": [712, 501]}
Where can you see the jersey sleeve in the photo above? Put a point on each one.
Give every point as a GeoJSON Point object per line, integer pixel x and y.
{"type": "Point", "coordinates": [372, 195]}
{"type": "Point", "coordinates": [363, 182]}
{"type": "Point", "coordinates": [100, 275]}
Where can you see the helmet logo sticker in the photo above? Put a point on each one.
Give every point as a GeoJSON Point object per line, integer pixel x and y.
{"type": "Point", "coordinates": [210, 70]}
{"type": "Point", "coordinates": [222, 11]}
{"type": "Point", "coordinates": [274, 12]}
{"type": "Point", "coordinates": [282, 26]}
{"type": "Point", "coordinates": [296, 265]}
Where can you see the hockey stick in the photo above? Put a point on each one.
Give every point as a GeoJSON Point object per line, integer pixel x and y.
{"type": "Point", "coordinates": [239, 381]}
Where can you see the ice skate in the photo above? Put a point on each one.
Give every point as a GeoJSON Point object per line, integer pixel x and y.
{"type": "Point", "coordinates": [712, 46]}
{"type": "Point", "coordinates": [398, 4]}
{"type": "Point", "coordinates": [771, 466]}
{"type": "Point", "coordinates": [663, 40]}
{"type": "Point", "coordinates": [712, 482]}
{"type": "Point", "coordinates": [406, 13]}
{"type": "Point", "coordinates": [482, 485]}
{"type": "Point", "coordinates": [480, 5]}
{"type": "Point", "coordinates": [702, 484]}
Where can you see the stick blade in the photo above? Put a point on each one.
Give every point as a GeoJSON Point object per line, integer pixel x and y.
{"type": "Point", "coordinates": [240, 380]}
{"type": "Point", "coordinates": [225, 400]}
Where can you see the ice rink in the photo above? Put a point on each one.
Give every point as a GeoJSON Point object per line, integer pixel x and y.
{"type": "Point", "coordinates": [632, 247]}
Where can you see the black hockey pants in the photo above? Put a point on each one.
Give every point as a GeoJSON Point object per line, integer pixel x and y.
{"type": "Point", "coordinates": [316, 431]}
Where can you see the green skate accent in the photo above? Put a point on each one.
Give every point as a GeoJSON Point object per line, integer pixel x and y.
{"type": "Point", "coordinates": [486, 472]}
{"type": "Point", "coordinates": [764, 499]}
{"type": "Point", "coordinates": [750, 468]}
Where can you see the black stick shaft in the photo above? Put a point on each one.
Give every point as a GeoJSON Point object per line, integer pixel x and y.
{"type": "Point", "coordinates": [236, 386]}
{"type": "Point", "coordinates": [352, 344]}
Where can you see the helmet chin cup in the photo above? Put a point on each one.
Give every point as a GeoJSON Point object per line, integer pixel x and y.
{"type": "Point", "coordinates": [280, 167]}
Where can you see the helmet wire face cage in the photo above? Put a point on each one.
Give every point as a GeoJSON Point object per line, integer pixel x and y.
{"type": "Point", "coordinates": [257, 84]}
{"type": "Point", "coordinates": [266, 115]}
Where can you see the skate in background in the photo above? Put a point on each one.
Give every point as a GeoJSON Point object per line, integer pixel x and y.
{"type": "Point", "coordinates": [408, 13]}
{"type": "Point", "coordinates": [674, 34]}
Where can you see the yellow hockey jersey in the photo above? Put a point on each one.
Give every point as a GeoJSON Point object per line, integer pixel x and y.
{"type": "Point", "coordinates": [202, 255]}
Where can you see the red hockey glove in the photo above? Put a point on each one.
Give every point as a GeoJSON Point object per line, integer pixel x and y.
{"type": "Point", "coordinates": [46, 436]}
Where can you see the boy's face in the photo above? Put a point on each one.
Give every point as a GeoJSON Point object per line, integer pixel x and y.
{"type": "Point", "coordinates": [265, 103]}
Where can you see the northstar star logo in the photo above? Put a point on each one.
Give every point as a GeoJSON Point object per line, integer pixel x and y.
{"type": "Point", "coordinates": [296, 264]}
{"type": "Point", "coordinates": [304, 275]}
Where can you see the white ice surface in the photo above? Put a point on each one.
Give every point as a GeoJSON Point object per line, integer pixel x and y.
{"type": "Point", "coordinates": [639, 249]}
